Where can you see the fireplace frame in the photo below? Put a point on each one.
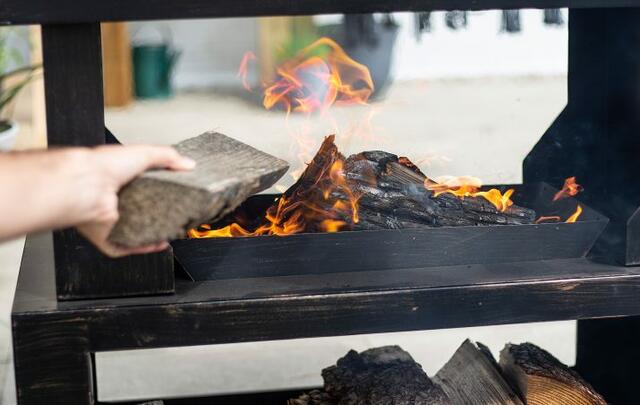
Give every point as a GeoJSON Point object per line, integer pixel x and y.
{"type": "Point", "coordinates": [58, 324]}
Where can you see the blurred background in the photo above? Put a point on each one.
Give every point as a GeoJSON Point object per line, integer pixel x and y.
{"type": "Point", "coordinates": [460, 93]}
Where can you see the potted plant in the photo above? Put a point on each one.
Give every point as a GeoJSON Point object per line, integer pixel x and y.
{"type": "Point", "coordinates": [14, 76]}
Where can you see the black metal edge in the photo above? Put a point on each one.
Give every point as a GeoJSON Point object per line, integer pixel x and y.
{"type": "Point", "coordinates": [14, 12]}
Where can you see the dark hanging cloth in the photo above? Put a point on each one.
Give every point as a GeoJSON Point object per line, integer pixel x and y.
{"type": "Point", "coordinates": [423, 23]}
{"type": "Point", "coordinates": [511, 21]}
{"type": "Point", "coordinates": [359, 29]}
{"type": "Point", "coordinates": [553, 16]}
{"type": "Point", "coordinates": [456, 19]}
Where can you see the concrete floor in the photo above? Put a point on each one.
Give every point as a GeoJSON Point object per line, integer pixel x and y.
{"type": "Point", "coordinates": [479, 127]}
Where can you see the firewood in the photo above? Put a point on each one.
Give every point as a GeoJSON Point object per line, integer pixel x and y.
{"type": "Point", "coordinates": [391, 194]}
{"type": "Point", "coordinates": [384, 375]}
{"type": "Point", "coordinates": [400, 198]}
{"type": "Point", "coordinates": [368, 191]}
{"type": "Point", "coordinates": [315, 397]}
{"type": "Point", "coordinates": [163, 204]}
{"type": "Point", "coordinates": [541, 379]}
{"type": "Point", "coordinates": [472, 377]}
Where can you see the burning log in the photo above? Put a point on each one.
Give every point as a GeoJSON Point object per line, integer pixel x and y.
{"type": "Point", "coordinates": [379, 190]}
{"type": "Point", "coordinates": [541, 379]}
{"type": "Point", "coordinates": [384, 375]}
{"type": "Point", "coordinates": [162, 204]}
{"type": "Point", "coordinates": [472, 376]}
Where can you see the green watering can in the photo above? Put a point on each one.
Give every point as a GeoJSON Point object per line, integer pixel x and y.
{"type": "Point", "coordinates": [152, 70]}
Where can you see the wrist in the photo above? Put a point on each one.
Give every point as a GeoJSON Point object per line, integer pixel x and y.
{"type": "Point", "coordinates": [85, 185]}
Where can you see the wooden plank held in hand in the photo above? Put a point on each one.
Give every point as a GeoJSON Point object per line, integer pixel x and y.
{"type": "Point", "coordinates": [163, 204]}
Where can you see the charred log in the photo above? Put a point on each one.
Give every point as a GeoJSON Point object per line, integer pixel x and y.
{"type": "Point", "coordinates": [390, 193]}
{"type": "Point", "coordinates": [384, 375]}
{"type": "Point", "coordinates": [315, 397]}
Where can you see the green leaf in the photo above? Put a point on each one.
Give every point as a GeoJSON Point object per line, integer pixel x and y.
{"type": "Point", "coordinates": [10, 93]}
{"type": "Point", "coordinates": [25, 69]}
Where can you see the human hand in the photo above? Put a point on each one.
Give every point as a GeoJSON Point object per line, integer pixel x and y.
{"type": "Point", "coordinates": [108, 169]}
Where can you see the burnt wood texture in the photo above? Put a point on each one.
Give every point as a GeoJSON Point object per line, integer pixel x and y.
{"type": "Point", "coordinates": [162, 205]}
{"type": "Point", "coordinates": [256, 309]}
{"type": "Point", "coordinates": [72, 11]}
{"type": "Point", "coordinates": [382, 375]}
{"type": "Point", "coordinates": [316, 253]}
{"type": "Point", "coordinates": [75, 117]}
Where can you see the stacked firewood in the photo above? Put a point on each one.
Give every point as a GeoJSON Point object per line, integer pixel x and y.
{"type": "Point", "coordinates": [525, 374]}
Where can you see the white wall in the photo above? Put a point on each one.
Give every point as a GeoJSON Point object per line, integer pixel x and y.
{"type": "Point", "coordinates": [211, 49]}
{"type": "Point", "coordinates": [481, 50]}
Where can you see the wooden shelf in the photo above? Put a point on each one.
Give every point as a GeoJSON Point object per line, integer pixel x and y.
{"type": "Point", "coordinates": [255, 309]}
{"type": "Point", "coordinates": [73, 11]}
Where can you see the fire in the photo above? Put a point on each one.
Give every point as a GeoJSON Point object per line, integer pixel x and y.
{"type": "Point", "coordinates": [243, 69]}
{"type": "Point", "coordinates": [569, 189]}
{"type": "Point", "coordinates": [469, 186]}
{"type": "Point", "coordinates": [552, 218]}
{"type": "Point", "coordinates": [574, 217]}
{"type": "Point", "coordinates": [275, 224]}
{"type": "Point", "coordinates": [310, 82]}
{"type": "Point", "coordinates": [293, 213]}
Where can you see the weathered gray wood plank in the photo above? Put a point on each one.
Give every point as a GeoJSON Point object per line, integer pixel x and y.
{"type": "Point", "coordinates": [164, 204]}
{"type": "Point", "coordinates": [472, 377]}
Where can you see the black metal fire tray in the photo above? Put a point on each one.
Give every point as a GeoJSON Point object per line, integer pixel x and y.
{"type": "Point", "coordinates": [315, 253]}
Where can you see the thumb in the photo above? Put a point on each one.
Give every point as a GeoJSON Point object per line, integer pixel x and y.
{"type": "Point", "coordinates": [165, 157]}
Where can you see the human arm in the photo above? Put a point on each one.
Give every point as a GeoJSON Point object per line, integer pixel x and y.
{"type": "Point", "coordinates": [76, 187]}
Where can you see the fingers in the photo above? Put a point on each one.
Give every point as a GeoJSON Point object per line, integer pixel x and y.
{"type": "Point", "coordinates": [166, 157]}
{"type": "Point", "coordinates": [97, 233]}
{"type": "Point", "coordinates": [124, 163]}
{"type": "Point", "coordinates": [116, 251]}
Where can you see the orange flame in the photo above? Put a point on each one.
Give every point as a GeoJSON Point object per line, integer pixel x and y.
{"type": "Point", "coordinates": [290, 216]}
{"type": "Point", "coordinates": [243, 69]}
{"type": "Point", "coordinates": [569, 189]}
{"type": "Point", "coordinates": [553, 218]}
{"type": "Point", "coordinates": [574, 217]}
{"type": "Point", "coordinates": [308, 83]}
{"type": "Point", "coordinates": [468, 186]}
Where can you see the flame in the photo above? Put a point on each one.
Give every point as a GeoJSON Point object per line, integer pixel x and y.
{"type": "Point", "coordinates": [574, 217]}
{"type": "Point", "coordinates": [553, 218]}
{"type": "Point", "coordinates": [308, 82]}
{"type": "Point", "coordinates": [469, 186]}
{"type": "Point", "coordinates": [292, 214]}
{"type": "Point", "coordinates": [276, 224]}
{"type": "Point", "coordinates": [569, 189]}
{"type": "Point", "coordinates": [243, 69]}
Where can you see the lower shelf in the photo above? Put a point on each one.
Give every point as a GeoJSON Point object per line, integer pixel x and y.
{"type": "Point", "coordinates": [54, 341]}
{"type": "Point", "coordinates": [284, 307]}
